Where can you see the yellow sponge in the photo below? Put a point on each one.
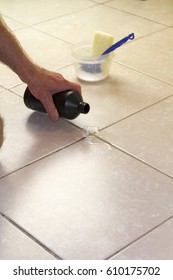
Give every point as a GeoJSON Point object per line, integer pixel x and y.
{"type": "Point", "coordinates": [101, 42]}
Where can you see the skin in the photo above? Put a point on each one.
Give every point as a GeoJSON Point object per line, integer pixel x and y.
{"type": "Point", "coordinates": [41, 82]}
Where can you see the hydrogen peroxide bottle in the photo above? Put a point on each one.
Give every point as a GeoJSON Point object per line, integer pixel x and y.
{"type": "Point", "coordinates": [69, 103]}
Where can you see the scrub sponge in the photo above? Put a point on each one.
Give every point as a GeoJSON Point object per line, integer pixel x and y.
{"type": "Point", "coordinates": [101, 42]}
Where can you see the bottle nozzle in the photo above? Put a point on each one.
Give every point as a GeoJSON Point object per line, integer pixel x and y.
{"type": "Point", "coordinates": [84, 107]}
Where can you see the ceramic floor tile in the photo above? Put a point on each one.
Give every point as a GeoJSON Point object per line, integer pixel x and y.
{"type": "Point", "coordinates": [124, 93]}
{"type": "Point", "coordinates": [100, 1]}
{"type": "Point", "coordinates": [8, 77]}
{"type": "Point", "coordinates": [15, 245]}
{"type": "Point", "coordinates": [1, 89]}
{"type": "Point", "coordinates": [28, 135]}
{"type": "Point", "coordinates": [157, 245]}
{"type": "Point", "coordinates": [151, 55]}
{"type": "Point", "coordinates": [44, 49]}
{"type": "Point", "coordinates": [90, 200]}
{"type": "Point", "coordinates": [93, 199]}
{"type": "Point", "coordinates": [31, 11]}
{"type": "Point", "coordinates": [159, 11]}
{"type": "Point", "coordinates": [82, 25]}
{"type": "Point", "coordinates": [147, 135]}
{"type": "Point", "coordinates": [19, 89]}
{"type": "Point", "coordinates": [13, 24]}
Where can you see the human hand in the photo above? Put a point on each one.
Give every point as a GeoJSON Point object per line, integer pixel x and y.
{"type": "Point", "coordinates": [44, 84]}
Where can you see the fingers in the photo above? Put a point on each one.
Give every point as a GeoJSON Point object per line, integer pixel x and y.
{"type": "Point", "coordinates": [68, 85]}
{"type": "Point", "coordinates": [76, 87]}
{"type": "Point", "coordinates": [45, 84]}
{"type": "Point", "coordinates": [48, 103]}
{"type": "Point", "coordinates": [49, 106]}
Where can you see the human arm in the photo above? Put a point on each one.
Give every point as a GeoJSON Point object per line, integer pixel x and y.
{"type": "Point", "coordinates": [41, 82]}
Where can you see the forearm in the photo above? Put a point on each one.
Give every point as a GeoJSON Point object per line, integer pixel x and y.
{"type": "Point", "coordinates": [13, 55]}
{"type": "Point", "coordinates": [41, 82]}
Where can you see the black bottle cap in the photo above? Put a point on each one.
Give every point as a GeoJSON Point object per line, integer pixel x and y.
{"type": "Point", "coordinates": [83, 107]}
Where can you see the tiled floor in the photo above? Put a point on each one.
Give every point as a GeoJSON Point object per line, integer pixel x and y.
{"type": "Point", "coordinates": [100, 186]}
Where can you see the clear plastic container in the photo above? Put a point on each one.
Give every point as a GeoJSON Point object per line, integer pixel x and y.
{"type": "Point", "coordinates": [90, 68]}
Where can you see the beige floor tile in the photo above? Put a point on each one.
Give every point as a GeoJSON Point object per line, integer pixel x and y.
{"type": "Point", "coordinates": [8, 77]}
{"type": "Point", "coordinates": [157, 245]}
{"type": "Point", "coordinates": [151, 55]}
{"type": "Point", "coordinates": [100, 1]}
{"type": "Point", "coordinates": [19, 89]}
{"type": "Point", "coordinates": [159, 11]}
{"type": "Point", "coordinates": [15, 245]}
{"type": "Point", "coordinates": [90, 200]}
{"type": "Point", "coordinates": [87, 201]}
{"type": "Point", "coordinates": [1, 89]}
{"type": "Point", "coordinates": [147, 135]}
{"type": "Point", "coordinates": [124, 93]}
{"type": "Point", "coordinates": [31, 11]}
{"type": "Point", "coordinates": [81, 26]}
{"type": "Point", "coordinates": [28, 135]}
{"type": "Point", "coordinates": [13, 24]}
{"type": "Point", "coordinates": [44, 49]}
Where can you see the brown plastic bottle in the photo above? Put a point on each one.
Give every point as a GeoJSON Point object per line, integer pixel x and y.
{"type": "Point", "coordinates": [69, 103]}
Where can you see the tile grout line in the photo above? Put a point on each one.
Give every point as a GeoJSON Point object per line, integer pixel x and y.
{"type": "Point", "coordinates": [63, 15]}
{"type": "Point", "coordinates": [19, 22]}
{"type": "Point", "coordinates": [41, 158]}
{"type": "Point", "coordinates": [139, 238]}
{"type": "Point", "coordinates": [137, 112]}
{"type": "Point", "coordinates": [55, 151]}
{"type": "Point", "coordinates": [141, 72]}
{"type": "Point", "coordinates": [50, 35]}
{"type": "Point", "coordinates": [131, 13]}
{"type": "Point", "coordinates": [30, 236]}
{"type": "Point", "coordinates": [131, 155]}
{"type": "Point", "coordinates": [34, 26]}
{"type": "Point", "coordinates": [97, 136]}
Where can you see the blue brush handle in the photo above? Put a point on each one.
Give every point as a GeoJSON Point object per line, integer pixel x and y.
{"type": "Point", "coordinates": [119, 43]}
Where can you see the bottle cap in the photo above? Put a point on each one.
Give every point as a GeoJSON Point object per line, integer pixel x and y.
{"type": "Point", "coordinates": [83, 107]}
